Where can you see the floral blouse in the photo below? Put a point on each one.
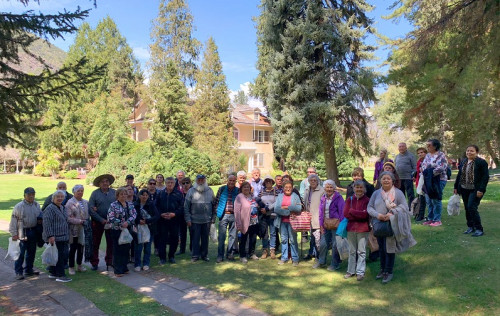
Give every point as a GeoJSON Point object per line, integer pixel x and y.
{"type": "Point", "coordinates": [437, 161]}
{"type": "Point", "coordinates": [117, 214]}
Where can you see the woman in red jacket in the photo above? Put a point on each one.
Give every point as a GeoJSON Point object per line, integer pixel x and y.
{"type": "Point", "coordinates": [355, 210]}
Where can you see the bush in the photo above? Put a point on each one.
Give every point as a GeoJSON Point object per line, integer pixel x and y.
{"type": "Point", "coordinates": [70, 174]}
{"type": "Point", "coordinates": [49, 163]}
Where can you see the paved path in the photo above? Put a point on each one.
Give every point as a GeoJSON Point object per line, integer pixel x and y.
{"type": "Point", "coordinates": [180, 296]}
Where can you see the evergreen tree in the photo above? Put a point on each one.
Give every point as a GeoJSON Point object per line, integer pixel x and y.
{"type": "Point", "coordinates": [172, 36]}
{"type": "Point", "coordinates": [213, 128]}
{"type": "Point", "coordinates": [240, 98]}
{"type": "Point", "coordinates": [170, 128]}
{"type": "Point", "coordinates": [312, 78]}
{"type": "Point", "coordinates": [449, 66]}
{"type": "Point", "coordinates": [24, 97]}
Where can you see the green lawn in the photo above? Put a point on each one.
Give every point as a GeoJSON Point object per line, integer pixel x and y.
{"type": "Point", "coordinates": [445, 273]}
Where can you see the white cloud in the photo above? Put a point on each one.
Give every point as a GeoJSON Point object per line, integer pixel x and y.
{"type": "Point", "coordinates": [253, 102]}
{"type": "Point", "coordinates": [141, 53]}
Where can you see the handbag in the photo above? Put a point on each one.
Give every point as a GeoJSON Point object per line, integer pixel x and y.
{"type": "Point", "coordinates": [382, 229]}
{"type": "Point", "coordinates": [331, 223]}
{"type": "Point", "coordinates": [301, 222]}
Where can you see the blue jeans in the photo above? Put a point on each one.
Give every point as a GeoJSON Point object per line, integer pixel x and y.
{"type": "Point", "coordinates": [328, 240]}
{"type": "Point", "coordinates": [138, 253]}
{"type": "Point", "coordinates": [269, 241]}
{"type": "Point", "coordinates": [313, 250]}
{"type": "Point", "coordinates": [227, 222]}
{"type": "Point", "coordinates": [436, 206]}
{"type": "Point", "coordinates": [288, 233]}
{"type": "Point", "coordinates": [28, 247]}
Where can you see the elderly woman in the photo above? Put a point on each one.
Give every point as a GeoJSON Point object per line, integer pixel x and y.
{"type": "Point", "coordinates": [121, 215]}
{"type": "Point", "coordinates": [266, 200]}
{"type": "Point", "coordinates": [471, 183]}
{"type": "Point", "coordinates": [147, 214]}
{"type": "Point", "coordinates": [246, 213]}
{"type": "Point", "coordinates": [56, 231]}
{"type": "Point", "coordinates": [379, 165]}
{"type": "Point", "coordinates": [312, 199]}
{"type": "Point", "coordinates": [288, 203]}
{"type": "Point", "coordinates": [388, 204]}
{"type": "Point", "coordinates": [358, 228]}
{"type": "Point", "coordinates": [241, 177]}
{"type": "Point", "coordinates": [434, 169]}
{"type": "Point", "coordinates": [77, 209]}
{"type": "Point", "coordinates": [331, 212]}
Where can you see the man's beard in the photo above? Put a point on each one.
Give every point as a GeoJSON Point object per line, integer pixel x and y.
{"type": "Point", "coordinates": [201, 188]}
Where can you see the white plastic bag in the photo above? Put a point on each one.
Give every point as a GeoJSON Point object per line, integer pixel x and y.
{"type": "Point", "coordinates": [454, 205]}
{"type": "Point", "coordinates": [143, 234]}
{"type": "Point", "coordinates": [342, 247]}
{"type": "Point", "coordinates": [213, 233]}
{"type": "Point", "coordinates": [14, 249]}
{"type": "Point", "coordinates": [420, 185]}
{"type": "Point", "coordinates": [50, 255]}
{"type": "Point", "coordinates": [125, 237]}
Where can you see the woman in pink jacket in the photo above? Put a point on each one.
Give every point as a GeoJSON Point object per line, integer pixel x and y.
{"type": "Point", "coordinates": [246, 219]}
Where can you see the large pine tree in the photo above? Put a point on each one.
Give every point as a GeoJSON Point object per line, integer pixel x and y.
{"type": "Point", "coordinates": [312, 78]}
{"type": "Point", "coordinates": [210, 113]}
{"type": "Point", "coordinates": [173, 39]}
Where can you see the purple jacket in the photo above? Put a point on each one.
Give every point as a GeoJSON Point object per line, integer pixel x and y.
{"type": "Point", "coordinates": [336, 208]}
{"type": "Point", "coordinates": [379, 167]}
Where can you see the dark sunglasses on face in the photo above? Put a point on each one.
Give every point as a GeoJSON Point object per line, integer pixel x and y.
{"type": "Point", "coordinates": [153, 183]}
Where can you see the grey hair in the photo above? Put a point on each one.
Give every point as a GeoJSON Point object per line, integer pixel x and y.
{"type": "Point", "coordinates": [241, 173]}
{"type": "Point", "coordinates": [182, 172]}
{"type": "Point", "coordinates": [61, 182]}
{"type": "Point", "coordinates": [359, 183]}
{"type": "Point", "coordinates": [387, 173]}
{"type": "Point", "coordinates": [256, 169]}
{"type": "Point", "coordinates": [313, 176]}
{"type": "Point", "coordinates": [329, 182]}
{"type": "Point", "coordinates": [58, 192]}
{"type": "Point", "coordinates": [77, 187]}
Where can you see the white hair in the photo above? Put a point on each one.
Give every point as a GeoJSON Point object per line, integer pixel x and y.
{"type": "Point", "coordinates": [58, 192]}
{"type": "Point", "coordinates": [329, 182]}
{"type": "Point", "coordinates": [241, 173]}
{"type": "Point", "coordinates": [77, 187]}
{"type": "Point", "coordinates": [181, 171]}
{"type": "Point", "coordinates": [256, 169]}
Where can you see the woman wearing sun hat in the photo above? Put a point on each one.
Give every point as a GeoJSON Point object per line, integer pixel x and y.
{"type": "Point", "coordinates": [391, 167]}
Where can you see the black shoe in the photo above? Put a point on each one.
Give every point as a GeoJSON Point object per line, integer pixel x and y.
{"type": "Point", "coordinates": [32, 273]}
{"type": "Point", "coordinates": [206, 259]}
{"type": "Point", "coordinates": [469, 230]}
{"type": "Point", "coordinates": [194, 259]}
{"type": "Point", "coordinates": [94, 268]}
{"type": "Point", "coordinates": [19, 277]}
{"type": "Point", "coordinates": [180, 253]}
{"type": "Point", "coordinates": [171, 260]}
{"type": "Point", "coordinates": [478, 233]}
{"type": "Point", "coordinates": [307, 257]}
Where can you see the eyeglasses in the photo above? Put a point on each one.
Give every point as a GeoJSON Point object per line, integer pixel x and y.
{"type": "Point", "coordinates": [152, 183]}
{"type": "Point", "coordinates": [184, 183]}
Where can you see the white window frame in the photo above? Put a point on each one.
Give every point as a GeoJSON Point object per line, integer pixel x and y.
{"type": "Point", "coordinates": [236, 133]}
{"type": "Point", "coordinates": [258, 160]}
{"type": "Point", "coordinates": [261, 136]}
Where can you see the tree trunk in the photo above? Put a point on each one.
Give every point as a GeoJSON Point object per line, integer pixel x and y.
{"type": "Point", "coordinates": [330, 156]}
{"type": "Point", "coordinates": [492, 154]}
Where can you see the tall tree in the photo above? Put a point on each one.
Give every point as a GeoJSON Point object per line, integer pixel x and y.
{"type": "Point", "coordinates": [24, 96]}
{"type": "Point", "coordinates": [240, 98]}
{"type": "Point", "coordinates": [449, 66]}
{"type": "Point", "coordinates": [312, 78]}
{"type": "Point", "coordinates": [213, 128]}
{"type": "Point", "coordinates": [173, 39]}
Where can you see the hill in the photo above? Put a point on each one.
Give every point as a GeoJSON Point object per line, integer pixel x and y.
{"type": "Point", "coordinates": [52, 55]}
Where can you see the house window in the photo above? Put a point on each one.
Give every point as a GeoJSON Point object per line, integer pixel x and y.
{"type": "Point", "coordinates": [260, 136]}
{"type": "Point", "coordinates": [236, 133]}
{"type": "Point", "coordinates": [255, 116]}
{"type": "Point", "coordinates": [258, 160]}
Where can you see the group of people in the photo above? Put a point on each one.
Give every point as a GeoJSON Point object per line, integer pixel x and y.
{"type": "Point", "coordinates": [246, 209]}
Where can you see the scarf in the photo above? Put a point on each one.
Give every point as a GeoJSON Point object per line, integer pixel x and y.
{"type": "Point", "coordinates": [389, 198]}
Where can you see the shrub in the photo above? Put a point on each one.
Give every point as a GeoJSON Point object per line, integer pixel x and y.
{"type": "Point", "coordinates": [70, 174]}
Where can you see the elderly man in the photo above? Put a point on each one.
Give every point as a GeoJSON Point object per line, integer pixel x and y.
{"type": "Point", "coordinates": [241, 177]}
{"type": "Point", "coordinates": [199, 212]}
{"type": "Point", "coordinates": [60, 186]}
{"type": "Point", "coordinates": [170, 207]}
{"type": "Point", "coordinates": [23, 227]}
{"type": "Point", "coordinates": [99, 203]}
{"type": "Point", "coordinates": [406, 165]}
{"type": "Point", "coordinates": [224, 206]}
{"type": "Point", "coordinates": [312, 198]}
{"type": "Point", "coordinates": [279, 184]}
{"type": "Point", "coordinates": [305, 183]}
{"type": "Point", "coordinates": [178, 180]}
{"type": "Point", "coordinates": [256, 182]}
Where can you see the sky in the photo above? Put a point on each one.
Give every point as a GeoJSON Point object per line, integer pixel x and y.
{"type": "Point", "coordinates": [229, 22]}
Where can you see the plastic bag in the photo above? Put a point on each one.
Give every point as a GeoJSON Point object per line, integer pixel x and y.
{"type": "Point", "coordinates": [342, 247]}
{"type": "Point", "coordinates": [454, 205]}
{"type": "Point", "coordinates": [50, 255]}
{"type": "Point", "coordinates": [125, 237]}
{"type": "Point", "coordinates": [420, 186]}
{"type": "Point", "coordinates": [213, 233]}
{"type": "Point", "coordinates": [143, 234]}
{"type": "Point", "coordinates": [14, 249]}
{"type": "Point", "coordinates": [342, 229]}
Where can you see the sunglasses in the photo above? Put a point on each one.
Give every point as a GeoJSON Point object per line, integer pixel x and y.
{"type": "Point", "coordinates": [184, 183]}
{"type": "Point", "coordinates": [153, 183]}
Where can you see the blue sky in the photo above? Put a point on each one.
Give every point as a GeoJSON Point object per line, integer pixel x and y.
{"type": "Point", "coordinates": [229, 22]}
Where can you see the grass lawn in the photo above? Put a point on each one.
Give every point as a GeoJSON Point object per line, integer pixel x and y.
{"type": "Point", "coordinates": [445, 273]}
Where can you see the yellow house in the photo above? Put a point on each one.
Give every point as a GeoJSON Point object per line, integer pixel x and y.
{"type": "Point", "coordinates": [251, 128]}
{"type": "Point", "coordinates": [253, 131]}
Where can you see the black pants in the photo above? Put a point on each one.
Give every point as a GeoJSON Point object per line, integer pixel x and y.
{"type": "Point", "coordinates": [251, 236]}
{"type": "Point", "coordinates": [471, 203]}
{"type": "Point", "coordinates": [200, 240]}
{"type": "Point", "coordinates": [183, 235]}
{"type": "Point", "coordinates": [62, 258]}
{"type": "Point", "coordinates": [407, 189]}
{"type": "Point", "coordinates": [421, 211]}
{"type": "Point", "coordinates": [386, 259]}
{"type": "Point", "coordinates": [120, 253]}
{"type": "Point", "coordinates": [75, 248]}
{"type": "Point", "coordinates": [168, 234]}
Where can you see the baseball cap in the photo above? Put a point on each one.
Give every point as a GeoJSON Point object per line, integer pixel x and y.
{"type": "Point", "coordinates": [129, 176]}
{"type": "Point", "coordinates": [200, 176]}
